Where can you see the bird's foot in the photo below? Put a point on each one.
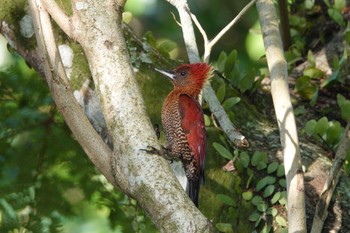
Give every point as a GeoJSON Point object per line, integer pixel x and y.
{"type": "Point", "coordinates": [163, 151]}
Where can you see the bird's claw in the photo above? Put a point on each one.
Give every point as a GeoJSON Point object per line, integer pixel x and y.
{"type": "Point", "coordinates": [163, 151]}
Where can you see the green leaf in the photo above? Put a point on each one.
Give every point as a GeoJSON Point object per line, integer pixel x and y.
{"type": "Point", "coordinates": [167, 46]}
{"type": "Point", "coordinates": [309, 4]}
{"type": "Point", "coordinates": [311, 59]}
{"type": "Point", "coordinates": [230, 102]}
{"type": "Point", "coordinates": [222, 151]}
{"type": "Point", "coordinates": [333, 133]}
{"type": "Point", "coordinates": [262, 207]}
{"type": "Point", "coordinates": [226, 200]}
{"type": "Point", "coordinates": [268, 191]}
{"type": "Point", "coordinates": [272, 167]}
{"type": "Point", "coordinates": [280, 170]}
{"type": "Point", "coordinates": [230, 62]}
{"type": "Point", "coordinates": [281, 221]}
{"type": "Point", "coordinates": [336, 16]}
{"type": "Point", "coordinates": [207, 120]}
{"type": "Point", "coordinates": [257, 157]}
{"type": "Point", "coordinates": [341, 100]}
{"type": "Point", "coordinates": [224, 227]}
{"type": "Point", "coordinates": [150, 39]}
{"type": "Point", "coordinates": [220, 94]}
{"type": "Point", "coordinates": [257, 200]}
{"type": "Point", "coordinates": [310, 127]}
{"type": "Point", "coordinates": [345, 111]}
{"type": "Point", "coordinates": [247, 81]}
{"type": "Point", "coordinates": [339, 5]}
{"type": "Point", "coordinates": [283, 198]}
{"type": "Point", "coordinates": [261, 165]}
{"type": "Point", "coordinates": [245, 159]}
{"type": "Point", "coordinates": [254, 217]}
{"type": "Point", "coordinates": [313, 72]}
{"type": "Point", "coordinates": [248, 195]}
{"type": "Point", "coordinates": [275, 198]}
{"type": "Point", "coordinates": [314, 98]}
{"type": "Point", "coordinates": [321, 126]}
{"type": "Point", "coordinates": [266, 228]}
{"type": "Point", "coordinates": [272, 211]}
{"type": "Point", "coordinates": [127, 16]}
{"type": "Point", "coordinates": [282, 183]}
{"type": "Point", "coordinates": [300, 110]}
{"type": "Point", "coordinates": [305, 87]}
{"type": "Point", "coordinates": [221, 62]}
{"type": "Point", "coordinates": [267, 180]}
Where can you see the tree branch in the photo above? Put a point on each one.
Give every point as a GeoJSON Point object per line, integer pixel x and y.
{"type": "Point", "coordinates": [321, 211]}
{"type": "Point", "coordinates": [209, 44]}
{"type": "Point", "coordinates": [63, 21]}
{"type": "Point", "coordinates": [95, 148]}
{"type": "Point", "coordinates": [145, 177]}
{"type": "Point", "coordinates": [284, 114]}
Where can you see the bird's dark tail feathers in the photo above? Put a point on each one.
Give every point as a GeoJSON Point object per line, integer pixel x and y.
{"type": "Point", "coordinates": [193, 190]}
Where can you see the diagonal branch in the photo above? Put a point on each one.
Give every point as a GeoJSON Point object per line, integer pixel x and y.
{"type": "Point", "coordinates": [63, 21]}
{"type": "Point", "coordinates": [209, 44]}
{"type": "Point", "coordinates": [98, 152]}
{"type": "Point", "coordinates": [321, 211]}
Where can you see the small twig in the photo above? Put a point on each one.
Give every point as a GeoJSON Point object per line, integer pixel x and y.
{"type": "Point", "coordinates": [174, 17]}
{"type": "Point", "coordinates": [321, 211]}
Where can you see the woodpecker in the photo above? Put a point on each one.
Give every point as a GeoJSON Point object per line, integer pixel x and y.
{"type": "Point", "coordinates": [183, 122]}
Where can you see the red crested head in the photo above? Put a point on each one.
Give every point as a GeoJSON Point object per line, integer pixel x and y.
{"type": "Point", "coordinates": [189, 76]}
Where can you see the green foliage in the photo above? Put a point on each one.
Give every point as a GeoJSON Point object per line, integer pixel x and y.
{"type": "Point", "coordinates": [229, 66]}
{"type": "Point", "coordinates": [47, 183]}
{"type": "Point", "coordinates": [344, 105]}
{"type": "Point", "coordinates": [264, 185]}
{"type": "Point", "coordinates": [325, 131]}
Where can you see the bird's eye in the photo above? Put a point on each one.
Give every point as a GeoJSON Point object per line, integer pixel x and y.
{"type": "Point", "coordinates": [183, 73]}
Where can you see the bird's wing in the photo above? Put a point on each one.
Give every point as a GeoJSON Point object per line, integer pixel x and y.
{"type": "Point", "coordinates": [193, 125]}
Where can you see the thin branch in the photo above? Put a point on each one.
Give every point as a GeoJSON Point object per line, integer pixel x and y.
{"type": "Point", "coordinates": [321, 211]}
{"type": "Point", "coordinates": [233, 22]}
{"type": "Point", "coordinates": [63, 21]}
{"type": "Point", "coordinates": [98, 152]}
{"type": "Point", "coordinates": [208, 45]}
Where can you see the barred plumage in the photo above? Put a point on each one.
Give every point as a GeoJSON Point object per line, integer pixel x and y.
{"type": "Point", "coordinates": [183, 122]}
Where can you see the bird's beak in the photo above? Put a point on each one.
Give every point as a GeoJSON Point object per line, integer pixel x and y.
{"type": "Point", "coordinates": [167, 73]}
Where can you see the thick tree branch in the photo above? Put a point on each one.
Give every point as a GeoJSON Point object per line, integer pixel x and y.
{"type": "Point", "coordinates": [321, 211]}
{"type": "Point", "coordinates": [145, 177]}
{"type": "Point", "coordinates": [208, 93]}
{"type": "Point", "coordinates": [285, 116]}
{"type": "Point", "coordinates": [95, 148]}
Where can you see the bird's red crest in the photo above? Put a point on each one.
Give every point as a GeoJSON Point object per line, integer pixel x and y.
{"type": "Point", "coordinates": [199, 72]}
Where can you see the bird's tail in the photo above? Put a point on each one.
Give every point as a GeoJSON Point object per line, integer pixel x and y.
{"type": "Point", "coordinates": [193, 190]}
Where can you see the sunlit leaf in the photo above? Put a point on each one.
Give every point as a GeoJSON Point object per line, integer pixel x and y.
{"type": "Point", "coordinates": [226, 200]}
{"type": "Point", "coordinates": [222, 151]}
{"type": "Point", "coordinates": [230, 102]}
{"type": "Point", "coordinates": [248, 195]}
{"type": "Point", "coordinates": [268, 191]}
{"type": "Point", "coordinates": [281, 221]}
{"type": "Point", "coordinates": [224, 227]}
{"type": "Point", "coordinates": [272, 167]}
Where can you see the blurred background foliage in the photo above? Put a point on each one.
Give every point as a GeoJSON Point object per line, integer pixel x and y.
{"type": "Point", "coordinates": [47, 184]}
